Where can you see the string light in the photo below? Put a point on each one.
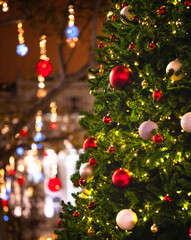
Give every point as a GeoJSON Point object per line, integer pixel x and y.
{"type": "Point", "coordinates": [5, 7]}
{"type": "Point", "coordinates": [53, 117]}
{"type": "Point", "coordinates": [21, 49]}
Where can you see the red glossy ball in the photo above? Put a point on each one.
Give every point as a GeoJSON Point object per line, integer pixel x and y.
{"type": "Point", "coordinates": [44, 68]}
{"type": "Point", "coordinates": [135, 19]}
{"type": "Point", "coordinates": [53, 125]}
{"type": "Point", "coordinates": [187, 2]}
{"type": "Point", "coordinates": [54, 184]}
{"type": "Point", "coordinates": [114, 18]}
{"type": "Point", "coordinates": [112, 37]}
{"type": "Point", "coordinates": [152, 45]}
{"type": "Point", "coordinates": [120, 76]}
{"type": "Point", "coordinates": [190, 232]}
{"type": "Point", "coordinates": [76, 214]}
{"type": "Point", "coordinates": [132, 46]}
{"type": "Point", "coordinates": [59, 222]}
{"type": "Point", "coordinates": [124, 4]}
{"type": "Point", "coordinates": [112, 149]}
{"type": "Point", "coordinates": [23, 133]}
{"type": "Point", "coordinates": [107, 120]}
{"type": "Point", "coordinates": [90, 142]}
{"type": "Point", "coordinates": [161, 10]}
{"type": "Point", "coordinates": [82, 182]}
{"type": "Point", "coordinates": [157, 138]}
{"type": "Point", "coordinates": [121, 177]}
{"type": "Point", "coordinates": [4, 203]}
{"type": "Point", "coordinates": [100, 45]}
{"type": "Point", "coordinates": [167, 198]}
{"type": "Point", "coordinates": [12, 172]}
{"type": "Point", "coordinates": [91, 205]}
{"type": "Point", "coordinates": [157, 94]}
{"type": "Point", "coordinates": [21, 180]}
{"type": "Point", "coordinates": [92, 162]}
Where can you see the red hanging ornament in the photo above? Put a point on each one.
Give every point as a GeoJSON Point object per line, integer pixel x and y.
{"type": "Point", "coordinates": [59, 223]}
{"type": "Point", "coordinates": [121, 177]}
{"type": "Point", "coordinates": [23, 132]}
{"type": "Point", "coordinates": [11, 172]}
{"type": "Point", "coordinates": [107, 120]}
{"type": "Point", "coordinates": [90, 142]}
{"type": "Point", "coordinates": [135, 19]}
{"type": "Point", "coordinates": [21, 180]}
{"type": "Point", "coordinates": [132, 46]}
{"type": "Point", "coordinates": [82, 182]}
{"type": "Point", "coordinates": [161, 10]}
{"type": "Point", "coordinates": [187, 2]}
{"type": "Point", "coordinates": [120, 76]}
{"type": "Point", "coordinates": [53, 125]}
{"type": "Point", "coordinates": [92, 162]}
{"type": "Point", "coordinates": [54, 184]}
{"type": "Point", "coordinates": [44, 68]}
{"type": "Point", "coordinates": [190, 232]}
{"type": "Point", "coordinates": [100, 45]}
{"type": "Point", "coordinates": [45, 154]}
{"type": "Point", "coordinates": [114, 18]}
{"type": "Point", "coordinates": [100, 66]}
{"type": "Point", "coordinates": [112, 149]}
{"type": "Point", "coordinates": [91, 205]}
{"type": "Point", "coordinates": [157, 94]}
{"type": "Point", "coordinates": [112, 37]}
{"type": "Point", "coordinates": [157, 138]}
{"type": "Point", "coordinates": [76, 214]}
{"type": "Point", "coordinates": [167, 198]}
{"type": "Point", "coordinates": [124, 4]}
{"type": "Point", "coordinates": [152, 45]}
{"type": "Point", "coordinates": [4, 203]}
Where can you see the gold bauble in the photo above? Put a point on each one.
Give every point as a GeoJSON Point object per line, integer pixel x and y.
{"type": "Point", "coordinates": [101, 71]}
{"type": "Point", "coordinates": [144, 83]}
{"type": "Point", "coordinates": [117, 6]}
{"type": "Point", "coordinates": [91, 231]}
{"type": "Point", "coordinates": [154, 228]}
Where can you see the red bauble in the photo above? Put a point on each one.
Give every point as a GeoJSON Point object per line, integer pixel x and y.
{"type": "Point", "coordinates": [92, 162]}
{"type": "Point", "coordinates": [112, 37]}
{"type": "Point", "coordinates": [100, 45]}
{"type": "Point", "coordinates": [114, 18]}
{"type": "Point", "coordinates": [76, 214]}
{"type": "Point", "coordinates": [189, 232]}
{"type": "Point", "coordinates": [44, 68]}
{"type": "Point", "coordinates": [135, 19]}
{"type": "Point", "coordinates": [12, 172]}
{"type": "Point", "coordinates": [21, 180]}
{"type": "Point", "coordinates": [157, 94]}
{"type": "Point", "coordinates": [4, 203]}
{"type": "Point", "coordinates": [59, 222]}
{"type": "Point", "coordinates": [82, 182]}
{"type": "Point", "coordinates": [90, 142]}
{"type": "Point", "coordinates": [152, 45]}
{"type": "Point", "coordinates": [45, 154]}
{"type": "Point", "coordinates": [187, 2]}
{"type": "Point", "coordinates": [54, 184]}
{"type": "Point", "coordinates": [161, 10]}
{"type": "Point", "coordinates": [120, 76]}
{"type": "Point", "coordinates": [167, 198]}
{"type": "Point", "coordinates": [157, 138]}
{"type": "Point", "coordinates": [100, 66]}
{"type": "Point", "coordinates": [112, 149]}
{"type": "Point", "coordinates": [53, 125]}
{"type": "Point", "coordinates": [132, 46]}
{"type": "Point", "coordinates": [91, 205]}
{"type": "Point", "coordinates": [107, 120]}
{"type": "Point", "coordinates": [23, 133]}
{"type": "Point", "coordinates": [124, 4]}
{"type": "Point", "coordinates": [121, 177]}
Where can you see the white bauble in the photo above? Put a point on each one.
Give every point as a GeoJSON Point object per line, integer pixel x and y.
{"type": "Point", "coordinates": [175, 65]}
{"type": "Point", "coordinates": [86, 171]}
{"type": "Point", "coordinates": [125, 12]}
{"type": "Point", "coordinates": [145, 129]}
{"type": "Point", "coordinates": [126, 219]}
{"type": "Point", "coordinates": [185, 122]}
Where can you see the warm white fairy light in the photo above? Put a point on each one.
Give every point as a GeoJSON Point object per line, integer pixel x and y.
{"type": "Point", "coordinates": [42, 45]}
{"type": "Point", "coordinates": [38, 121]}
{"type": "Point", "coordinates": [5, 7]}
{"type": "Point", "coordinates": [20, 33]}
{"type": "Point", "coordinates": [53, 107]}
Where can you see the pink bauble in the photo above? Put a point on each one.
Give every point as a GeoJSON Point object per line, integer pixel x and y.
{"type": "Point", "coordinates": [185, 122]}
{"type": "Point", "coordinates": [126, 219]}
{"type": "Point", "coordinates": [145, 129]}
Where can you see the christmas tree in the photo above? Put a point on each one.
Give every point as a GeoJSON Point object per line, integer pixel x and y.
{"type": "Point", "coordinates": [135, 172]}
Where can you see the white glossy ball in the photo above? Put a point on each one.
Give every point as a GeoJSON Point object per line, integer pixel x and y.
{"type": "Point", "coordinates": [126, 219]}
{"type": "Point", "coordinates": [145, 129]}
{"type": "Point", "coordinates": [86, 171]}
{"type": "Point", "coordinates": [185, 122]}
{"type": "Point", "coordinates": [175, 65]}
{"type": "Point", "coordinates": [125, 12]}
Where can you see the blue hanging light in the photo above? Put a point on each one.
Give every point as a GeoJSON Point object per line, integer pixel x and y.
{"type": "Point", "coordinates": [22, 49]}
{"type": "Point", "coordinates": [72, 32]}
{"type": "Point", "coordinates": [20, 151]}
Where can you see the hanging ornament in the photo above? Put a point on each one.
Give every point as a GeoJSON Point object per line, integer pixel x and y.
{"type": "Point", "coordinates": [121, 178]}
{"type": "Point", "coordinates": [90, 142]}
{"type": "Point", "coordinates": [21, 180]}
{"type": "Point", "coordinates": [76, 214]}
{"type": "Point", "coordinates": [161, 10]}
{"type": "Point", "coordinates": [152, 45]}
{"type": "Point", "coordinates": [114, 18]}
{"type": "Point", "coordinates": [21, 49]}
{"type": "Point", "coordinates": [120, 76]}
{"type": "Point", "coordinates": [189, 232]}
{"type": "Point", "coordinates": [100, 45]}
{"type": "Point", "coordinates": [86, 171]}
{"type": "Point", "coordinates": [117, 6]}
{"type": "Point", "coordinates": [44, 68]}
{"type": "Point", "coordinates": [175, 66]}
{"type": "Point", "coordinates": [185, 122]}
{"type": "Point", "coordinates": [125, 13]}
{"type": "Point", "coordinates": [187, 2]}
{"type": "Point", "coordinates": [12, 172]}
{"type": "Point", "coordinates": [59, 223]}
{"type": "Point", "coordinates": [157, 94]}
{"type": "Point", "coordinates": [91, 231]}
{"type": "Point", "coordinates": [24, 132]}
{"type": "Point", "coordinates": [53, 125]}
{"type": "Point", "coordinates": [145, 130]}
{"type": "Point", "coordinates": [92, 162]}
{"type": "Point", "coordinates": [144, 83]}
{"type": "Point", "coordinates": [112, 37]}
{"type": "Point", "coordinates": [135, 19]}
{"type": "Point", "coordinates": [154, 228]}
{"type": "Point", "coordinates": [54, 184]}
{"type": "Point", "coordinates": [82, 182]}
{"type": "Point", "coordinates": [124, 4]}
{"type": "Point", "coordinates": [157, 138]}
{"type": "Point", "coordinates": [167, 198]}
{"type": "Point", "coordinates": [107, 120]}
{"type": "Point", "coordinates": [91, 205]}
{"type": "Point", "coordinates": [126, 219]}
{"type": "Point", "coordinates": [132, 46]}
{"type": "Point", "coordinates": [111, 149]}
